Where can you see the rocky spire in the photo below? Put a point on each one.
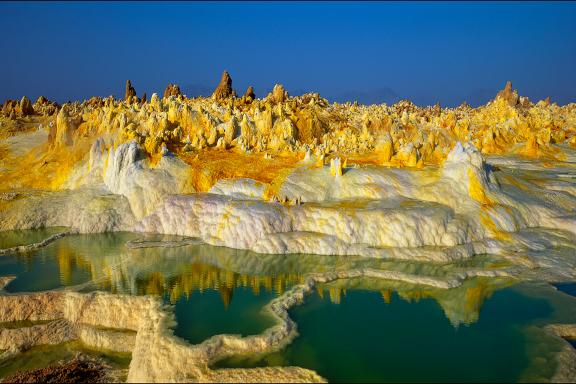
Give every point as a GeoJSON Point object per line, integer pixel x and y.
{"type": "Point", "coordinates": [224, 90]}
{"type": "Point", "coordinates": [25, 107]}
{"type": "Point", "coordinates": [172, 90]}
{"type": "Point", "coordinates": [250, 93]}
{"type": "Point", "coordinates": [508, 94]}
{"type": "Point", "coordinates": [249, 96]}
{"type": "Point", "coordinates": [130, 91]}
{"type": "Point", "coordinates": [278, 94]}
{"type": "Point", "coordinates": [45, 107]}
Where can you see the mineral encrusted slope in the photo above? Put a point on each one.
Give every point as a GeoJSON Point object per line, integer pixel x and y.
{"type": "Point", "coordinates": [295, 174]}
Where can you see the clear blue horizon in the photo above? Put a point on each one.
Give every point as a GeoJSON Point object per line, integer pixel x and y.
{"type": "Point", "coordinates": [446, 52]}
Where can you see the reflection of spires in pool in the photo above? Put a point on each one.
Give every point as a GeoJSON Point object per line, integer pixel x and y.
{"type": "Point", "coordinates": [243, 280]}
{"type": "Point", "coordinates": [155, 285]}
{"type": "Point", "coordinates": [279, 286]}
{"type": "Point", "coordinates": [230, 278]}
{"type": "Point", "coordinates": [417, 296]}
{"type": "Point", "coordinates": [255, 284]}
{"type": "Point", "coordinates": [200, 277]}
{"type": "Point", "coordinates": [68, 260]}
{"type": "Point", "coordinates": [336, 294]}
{"type": "Point", "coordinates": [183, 276]}
{"type": "Point", "coordinates": [412, 295]}
{"type": "Point", "coordinates": [64, 257]}
{"type": "Point", "coordinates": [475, 296]}
{"type": "Point", "coordinates": [176, 292]}
{"type": "Point", "coordinates": [226, 295]}
{"type": "Point", "coordinates": [386, 295]}
{"type": "Point", "coordinates": [268, 283]}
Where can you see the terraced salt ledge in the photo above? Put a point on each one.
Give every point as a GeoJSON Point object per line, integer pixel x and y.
{"type": "Point", "coordinates": [452, 213]}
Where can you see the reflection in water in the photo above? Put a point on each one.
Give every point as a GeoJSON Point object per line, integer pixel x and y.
{"type": "Point", "coordinates": [103, 262]}
{"type": "Point", "coordinates": [218, 290]}
{"type": "Point", "coordinates": [232, 285]}
{"type": "Point", "coordinates": [461, 305]}
{"type": "Point", "coordinates": [409, 340]}
{"type": "Point", "coordinates": [201, 277]}
{"type": "Point", "coordinates": [9, 239]}
{"type": "Point", "coordinates": [68, 261]}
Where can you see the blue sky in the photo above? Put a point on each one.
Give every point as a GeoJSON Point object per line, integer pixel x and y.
{"type": "Point", "coordinates": [428, 52]}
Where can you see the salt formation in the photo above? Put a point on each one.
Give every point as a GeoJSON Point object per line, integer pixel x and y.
{"type": "Point", "coordinates": [25, 107]}
{"type": "Point", "coordinates": [282, 175]}
{"type": "Point", "coordinates": [335, 167]}
{"type": "Point", "coordinates": [249, 96]}
{"type": "Point", "coordinates": [278, 94]}
{"type": "Point", "coordinates": [127, 174]}
{"type": "Point", "coordinates": [224, 90]}
{"type": "Point", "coordinates": [45, 107]}
{"type": "Point", "coordinates": [295, 174]}
{"type": "Point", "coordinates": [130, 92]}
{"type": "Point", "coordinates": [172, 90]}
{"type": "Point", "coordinates": [65, 127]}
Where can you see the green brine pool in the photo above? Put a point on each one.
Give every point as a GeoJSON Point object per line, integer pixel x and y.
{"type": "Point", "coordinates": [367, 336]}
{"type": "Point", "coordinates": [359, 330]}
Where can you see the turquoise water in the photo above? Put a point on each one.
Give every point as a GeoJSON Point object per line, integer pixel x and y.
{"type": "Point", "coordinates": [207, 299]}
{"type": "Point", "coordinates": [364, 339]}
{"type": "Point", "coordinates": [353, 330]}
{"type": "Point", "coordinates": [69, 261]}
{"type": "Point", "coordinates": [207, 314]}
